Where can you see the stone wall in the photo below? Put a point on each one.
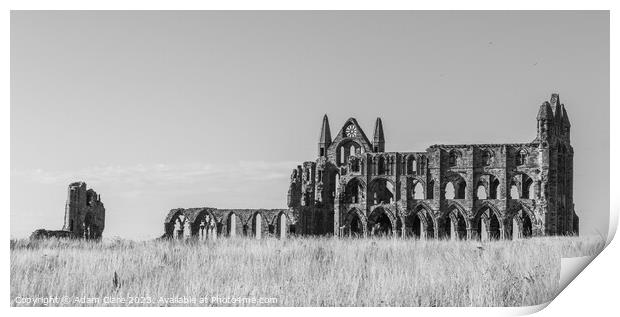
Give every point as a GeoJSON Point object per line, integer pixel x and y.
{"type": "Point", "coordinates": [84, 215]}
{"type": "Point", "coordinates": [483, 191]}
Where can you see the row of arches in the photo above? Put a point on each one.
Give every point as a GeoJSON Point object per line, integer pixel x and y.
{"type": "Point", "coordinates": [488, 187]}
{"type": "Point", "coordinates": [486, 157]}
{"type": "Point", "coordinates": [205, 226]}
{"type": "Point", "coordinates": [454, 225]}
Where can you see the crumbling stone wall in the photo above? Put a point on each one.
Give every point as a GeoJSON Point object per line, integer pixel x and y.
{"type": "Point", "coordinates": [468, 191]}
{"type": "Point", "coordinates": [84, 215]}
{"type": "Point", "coordinates": [210, 223]}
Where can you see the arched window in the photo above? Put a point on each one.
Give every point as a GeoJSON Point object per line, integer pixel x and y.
{"type": "Point", "coordinates": [355, 164]}
{"type": "Point", "coordinates": [521, 187]}
{"type": "Point", "coordinates": [481, 192]}
{"type": "Point", "coordinates": [514, 191]}
{"type": "Point", "coordinates": [494, 188]}
{"type": "Point", "coordinates": [418, 191]}
{"type": "Point", "coordinates": [381, 192]}
{"type": "Point", "coordinates": [460, 190]}
{"type": "Point", "coordinates": [381, 166]}
{"type": "Point", "coordinates": [452, 159]}
{"type": "Point", "coordinates": [411, 165]}
{"type": "Point", "coordinates": [353, 191]}
{"type": "Point", "coordinates": [486, 157]}
{"type": "Point", "coordinates": [521, 157]}
{"type": "Point", "coordinates": [528, 188]}
{"type": "Point", "coordinates": [449, 191]}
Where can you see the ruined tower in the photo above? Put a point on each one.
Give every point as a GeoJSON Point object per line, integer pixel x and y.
{"type": "Point", "coordinates": [84, 215]}
{"type": "Point", "coordinates": [84, 212]}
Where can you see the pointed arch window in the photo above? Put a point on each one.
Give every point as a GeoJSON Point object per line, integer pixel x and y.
{"type": "Point", "coordinates": [521, 157]}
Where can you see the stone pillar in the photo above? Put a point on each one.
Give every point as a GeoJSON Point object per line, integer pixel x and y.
{"type": "Point", "coordinates": [516, 232]}
{"type": "Point", "coordinates": [201, 232]}
{"type": "Point", "coordinates": [502, 229]}
{"type": "Point", "coordinates": [470, 233]}
{"type": "Point", "coordinates": [187, 231]}
{"type": "Point", "coordinates": [176, 233]}
{"type": "Point", "coordinates": [454, 233]}
{"type": "Point", "coordinates": [484, 231]}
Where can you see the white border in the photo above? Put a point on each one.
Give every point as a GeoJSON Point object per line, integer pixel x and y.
{"type": "Point", "coordinates": [594, 291]}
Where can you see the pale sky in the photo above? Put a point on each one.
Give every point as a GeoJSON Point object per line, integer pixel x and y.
{"type": "Point", "coordinates": [159, 110]}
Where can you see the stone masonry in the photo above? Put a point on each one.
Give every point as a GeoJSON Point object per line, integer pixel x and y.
{"type": "Point", "coordinates": [84, 215]}
{"type": "Point", "coordinates": [468, 191]}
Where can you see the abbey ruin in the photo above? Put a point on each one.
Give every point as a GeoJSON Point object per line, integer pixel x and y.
{"type": "Point", "coordinates": [468, 191]}
{"type": "Point", "coordinates": [84, 215]}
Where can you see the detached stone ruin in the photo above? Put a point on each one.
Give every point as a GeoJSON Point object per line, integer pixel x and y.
{"type": "Point", "coordinates": [84, 215]}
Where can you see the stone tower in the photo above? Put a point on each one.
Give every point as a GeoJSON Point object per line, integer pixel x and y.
{"type": "Point", "coordinates": [84, 212]}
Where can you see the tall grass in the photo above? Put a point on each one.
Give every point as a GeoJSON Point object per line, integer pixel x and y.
{"type": "Point", "coordinates": [299, 271]}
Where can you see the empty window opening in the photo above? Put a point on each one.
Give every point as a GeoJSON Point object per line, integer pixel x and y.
{"type": "Point", "coordinates": [411, 165]}
{"type": "Point", "coordinates": [460, 190]}
{"type": "Point", "coordinates": [514, 191]}
{"type": "Point", "coordinates": [494, 188]}
{"type": "Point", "coordinates": [528, 188]}
{"type": "Point", "coordinates": [452, 159]}
{"type": "Point", "coordinates": [418, 191]}
{"type": "Point", "coordinates": [382, 192]}
{"type": "Point", "coordinates": [381, 168]}
{"type": "Point", "coordinates": [379, 223]}
{"type": "Point", "coordinates": [449, 191]}
{"type": "Point", "coordinates": [481, 192]}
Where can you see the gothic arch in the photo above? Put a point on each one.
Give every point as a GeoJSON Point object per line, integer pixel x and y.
{"type": "Point", "coordinates": [343, 150]}
{"type": "Point", "coordinates": [233, 224]}
{"type": "Point", "coordinates": [355, 191]}
{"type": "Point", "coordinates": [175, 223]}
{"type": "Point", "coordinates": [379, 192]}
{"type": "Point", "coordinates": [258, 224]}
{"type": "Point", "coordinates": [355, 223]}
{"type": "Point", "coordinates": [282, 223]}
{"type": "Point", "coordinates": [411, 164]}
{"type": "Point", "coordinates": [455, 181]}
{"type": "Point", "coordinates": [522, 186]}
{"type": "Point", "coordinates": [454, 157]}
{"type": "Point", "coordinates": [516, 216]}
{"type": "Point", "coordinates": [491, 185]}
{"type": "Point", "coordinates": [487, 156]}
{"type": "Point", "coordinates": [381, 221]}
{"type": "Point", "coordinates": [382, 165]}
{"type": "Point", "coordinates": [427, 219]}
{"type": "Point", "coordinates": [412, 184]}
{"type": "Point", "coordinates": [521, 156]}
{"type": "Point", "coordinates": [204, 224]}
{"type": "Point", "coordinates": [488, 222]}
{"type": "Point", "coordinates": [453, 222]}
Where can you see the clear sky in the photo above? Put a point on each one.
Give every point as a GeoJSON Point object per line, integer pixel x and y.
{"type": "Point", "coordinates": [158, 110]}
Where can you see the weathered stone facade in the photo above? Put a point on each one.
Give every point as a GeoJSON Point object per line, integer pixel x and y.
{"type": "Point", "coordinates": [84, 215]}
{"type": "Point", "coordinates": [470, 191]}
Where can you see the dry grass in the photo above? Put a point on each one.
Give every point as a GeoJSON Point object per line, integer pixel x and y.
{"type": "Point", "coordinates": [299, 271]}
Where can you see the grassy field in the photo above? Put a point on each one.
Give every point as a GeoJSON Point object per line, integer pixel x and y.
{"type": "Point", "coordinates": [294, 272]}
